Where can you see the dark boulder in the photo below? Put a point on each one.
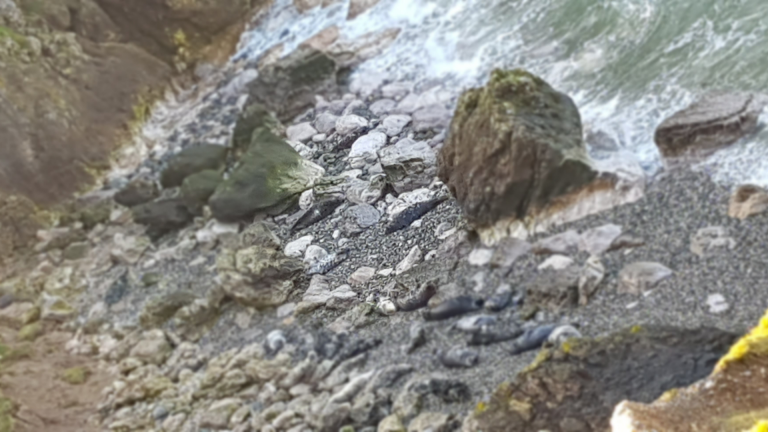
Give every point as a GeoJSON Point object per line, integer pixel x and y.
{"type": "Point", "coordinates": [138, 191]}
{"type": "Point", "coordinates": [162, 217]}
{"type": "Point", "coordinates": [193, 160]}
{"type": "Point", "coordinates": [198, 188]}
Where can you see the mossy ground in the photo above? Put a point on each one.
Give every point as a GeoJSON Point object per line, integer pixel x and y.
{"type": "Point", "coordinates": [76, 375]}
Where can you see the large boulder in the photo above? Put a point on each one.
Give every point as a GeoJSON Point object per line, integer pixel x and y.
{"type": "Point", "coordinates": [253, 117]}
{"type": "Point", "coordinates": [192, 160]}
{"type": "Point", "coordinates": [711, 123]}
{"type": "Point", "coordinates": [255, 271]}
{"type": "Point", "coordinates": [138, 191]}
{"type": "Point", "coordinates": [574, 387]}
{"type": "Point", "coordinates": [515, 156]}
{"type": "Point", "coordinates": [289, 85]}
{"type": "Point", "coordinates": [731, 399]}
{"type": "Point", "coordinates": [271, 175]}
{"type": "Point", "coordinates": [198, 188]}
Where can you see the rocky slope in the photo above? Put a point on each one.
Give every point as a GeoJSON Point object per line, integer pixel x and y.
{"type": "Point", "coordinates": [311, 272]}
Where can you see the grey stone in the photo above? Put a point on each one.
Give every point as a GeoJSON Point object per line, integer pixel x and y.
{"type": "Point", "coordinates": [302, 132]}
{"type": "Point", "coordinates": [641, 276]}
{"type": "Point", "coordinates": [433, 117]}
{"type": "Point", "coordinates": [360, 217]}
{"type": "Point", "coordinates": [565, 243]}
{"type": "Point", "coordinates": [364, 149]}
{"type": "Point", "coordinates": [325, 123]}
{"type": "Point", "coordinates": [350, 124]}
{"type": "Point", "coordinates": [366, 191]}
{"type": "Point", "coordinates": [392, 125]}
{"type": "Point", "coordinates": [408, 164]}
{"type": "Point", "coordinates": [382, 107]}
{"type": "Point", "coordinates": [597, 241]}
{"type": "Point", "coordinates": [712, 241]}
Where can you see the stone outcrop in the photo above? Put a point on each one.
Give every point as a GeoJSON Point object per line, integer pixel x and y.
{"type": "Point", "coordinates": [255, 271]}
{"type": "Point", "coordinates": [713, 122]}
{"type": "Point", "coordinates": [515, 157]}
{"type": "Point", "coordinates": [748, 200]}
{"type": "Point", "coordinates": [731, 399]}
{"type": "Point", "coordinates": [270, 176]}
{"type": "Point", "coordinates": [289, 85]}
{"type": "Point", "coordinates": [575, 387]}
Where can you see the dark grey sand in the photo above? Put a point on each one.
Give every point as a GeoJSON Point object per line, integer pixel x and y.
{"type": "Point", "coordinates": [675, 206]}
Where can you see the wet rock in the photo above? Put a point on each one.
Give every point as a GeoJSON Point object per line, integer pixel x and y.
{"type": "Point", "coordinates": [413, 258]}
{"type": "Point", "coordinates": [256, 272]}
{"type": "Point", "coordinates": [325, 123]}
{"type": "Point", "coordinates": [382, 107]}
{"type": "Point", "coordinates": [637, 277]}
{"type": "Point", "coordinates": [574, 391]}
{"type": "Point", "coordinates": [367, 192]}
{"type": "Point", "coordinates": [301, 132]}
{"type": "Point", "coordinates": [713, 122]}
{"type": "Point", "coordinates": [360, 217]}
{"type": "Point", "coordinates": [364, 149]}
{"type": "Point", "coordinates": [394, 124]}
{"type": "Point", "coordinates": [192, 160]}
{"type": "Point", "coordinates": [748, 200]}
{"type": "Point", "coordinates": [545, 158]}
{"type": "Point", "coordinates": [453, 307]}
{"type": "Point", "coordinates": [554, 290]}
{"type": "Point", "coordinates": [565, 243]}
{"type": "Point", "coordinates": [712, 241]}
{"type": "Point", "coordinates": [350, 124]}
{"type": "Point", "coordinates": [138, 191]}
{"type": "Point", "coordinates": [492, 335]}
{"type": "Point", "coordinates": [162, 217]}
{"type": "Point", "coordinates": [531, 339]}
{"type": "Point", "coordinates": [271, 176]}
{"type": "Point", "coordinates": [297, 247]}
{"type": "Point", "coordinates": [361, 276]}
{"type": "Point", "coordinates": [289, 85]}
{"type": "Point", "coordinates": [597, 241]}
{"type": "Point", "coordinates": [408, 164]}
{"type": "Point", "coordinates": [592, 275]}
{"type": "Point", "coordinates": [433, 117]}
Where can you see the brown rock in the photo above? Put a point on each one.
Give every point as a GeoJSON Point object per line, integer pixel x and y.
{"type": "Point", "coordinates": [576, 387]}
{"type": "Point", "coordinates": [713, 122]}
{"type": "Point", "coordinates": [748, 200]}
{"type": "Point", "coordinates": [357, 7]}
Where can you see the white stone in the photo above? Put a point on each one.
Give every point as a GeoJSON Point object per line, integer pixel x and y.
{"type": "Point", "coordinates": [302, 132]}
{"type": "Point", "coordinates": [386, 272]}
{"type": "Point", "coordinates": [386, 307]}
{"type": "Point", "coordinates": [286, 310]}
{"type": "Point", "coordinates": [350, 124]}
{"type": "Point", "coordinates": [597, 241]}
{"type": "Point", "coordinates": [413, 258]}
{"type": "Point", "coordinates": [394, 124]}
{"type": "Point", "coordinates": [556, 262]}
{"type": "Point", "coordinates": [361, 276]}
{"type": "Point", "coordinates": [638, 277]}
{"type": "Point", "coordinates": [364, 149]}
{"type": "Point", "coordinates": [214, 229]}
{"type": "Point", "coordinates": [717, 304]}
{"type": "Point", "coordinates": [314, 254]}
{"type": "Point", "coordinates": [480, 257]}
{"type": "Point", "coordinates": [297, 247]}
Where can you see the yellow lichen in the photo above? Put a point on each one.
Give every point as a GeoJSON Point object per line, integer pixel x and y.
{"type": "Point", "coordinates": [480, 408]}
{"type": "Point", "coordinates": [761, 426]}
{"type": "Point", "coordinates": [755, 342]}
{"type": "Point", "coordinates": [636, 329]}
{"type": "Point", "coordinates": [669, 395]}
{"type": "Point", "coordinates": [542, 357]}
{"type": "Point", "coordinates": [76, 375]}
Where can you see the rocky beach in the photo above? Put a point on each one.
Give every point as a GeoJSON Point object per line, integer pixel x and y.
{"type": "Point", "coordinates": [290, 242]}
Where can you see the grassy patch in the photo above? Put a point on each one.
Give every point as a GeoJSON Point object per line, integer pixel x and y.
{"type": "Point", "coordinates": [5, 32]}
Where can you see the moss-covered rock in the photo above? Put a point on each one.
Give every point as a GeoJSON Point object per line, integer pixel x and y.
{"type": "Point", "coordinates": [271, 174]}
{"type": "Point", "coordinates": [514, 146]}
{"type": "Point", "coordinates": [138, 191]}
{"type": "Point", "coordinates": [576, 386]}
{"type": "Point", "coordinates": [254, 116]}
{"type": "Point", "coordinates": [192, 160]}
{"type": "Point", "coordinates": [30, 332]}
{"type": "Point", "coordinates": [198, 188]}
{"type": "Point", "coordinates": [18, 224]}
{"type": "Point", "coordinates": [731, 399]}
{"type": "Point", "coordinates": [76, 375]}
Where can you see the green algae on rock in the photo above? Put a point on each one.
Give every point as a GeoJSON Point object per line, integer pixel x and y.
{"type": "Point", "coordinates": [30, 332]}
{"type": "Point", "coordinates": [577, 385]}
{"type": "Point", "coordinates": [192, 160]}
{"type": "Point", "coordinates": [198, 188]}
{"type": "Point", "coordinates": [270, 176]}
{"type": "Point", "coordinates": [76, 375]}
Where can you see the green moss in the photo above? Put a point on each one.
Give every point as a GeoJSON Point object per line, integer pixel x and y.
{"type": "Point", "coordinates": [7, 408]}
{"type": "Point", "coordinates": [30, 332]}
{"type": "Point", "coordinates": [20, 40]}
{"type": "Point", "coordinates": [9, 355]}
{"type": "Point", "coordinates": [76, 375]}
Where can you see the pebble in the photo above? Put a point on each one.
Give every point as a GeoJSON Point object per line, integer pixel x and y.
{"type": "Point", "coordinates": [302, 132]}
{"type": "Point", "coordinates": [314, 254]}
{"type": "Point", "coordinates": [350, 124]}
{"type": "Point", "coordinates": [361, 276]}
{"type": "Point", "coordinates": [386, 307]}
{"type": "Point", "coordinates": [393, 125]}
{"type": "Point", "coordinates": [711, 241]}
{"type": "Point", "coordinates": [297, 247]}
{"type": "Point", "coordinates": [637, 277]}
{"type": "Point", "coordinates": [459, 357]}
{"type": "Point", "coordinates": [501, 299]}
{"type": "Point", "coordinates": [382, 107]}
{"type": "Point", "coordinates": [717, 304]}
{"type": "Point", "coordinates": [453, 307]}
{"type": "Point", "coordinates": [480, 257]}
{"type": "Point", "coordinates": [557, 263]}
{"type": "Point", "coordinates": [413, 258]}
{"type": "Point", "coordinates": [473, 324]}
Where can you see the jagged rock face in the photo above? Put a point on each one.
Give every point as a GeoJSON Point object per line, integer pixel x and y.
{"type": "Point", "coordinates": [575, 387]}
{"type": "Point", "coordinates": [271, 174]}
{"type": "Point", "coordinates": [731, 399]}
{"type": "Point", "coordinates": [713, 122]}
{"type": "Point", "coordinates": [256, 272]}
{"type": "Point", "coordinates": [289, 85]}
{"type": "Point", "coordinates": [513, 147]}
